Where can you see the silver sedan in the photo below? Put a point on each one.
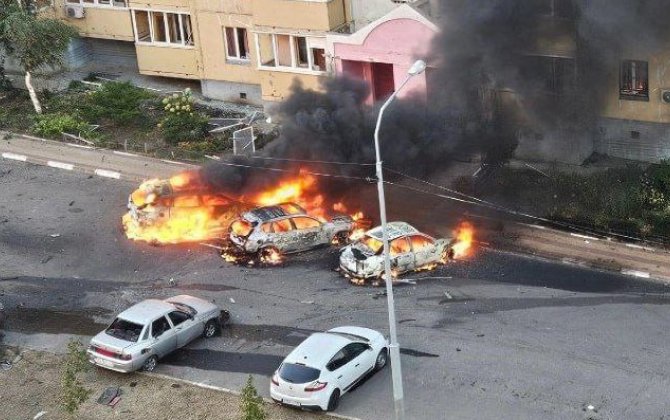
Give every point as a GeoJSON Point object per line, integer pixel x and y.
{"type": "Point", "coordinates": [151, 329]}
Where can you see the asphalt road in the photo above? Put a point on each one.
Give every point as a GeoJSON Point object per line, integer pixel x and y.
{"type": "Point", "coordinates": [499, 336]}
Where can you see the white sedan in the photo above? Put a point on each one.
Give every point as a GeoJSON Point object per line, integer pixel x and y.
{"type": "Point", "coordinates": [326, 366]}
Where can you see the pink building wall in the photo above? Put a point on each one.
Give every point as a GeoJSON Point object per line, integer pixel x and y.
{"type": "Point", "coordinates": [399, 42]}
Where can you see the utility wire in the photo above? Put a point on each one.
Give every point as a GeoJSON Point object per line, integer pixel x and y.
{"type": "Point", "coordinates": [314, 161]}
{"type": "Point", "coordinates": [319, 174]}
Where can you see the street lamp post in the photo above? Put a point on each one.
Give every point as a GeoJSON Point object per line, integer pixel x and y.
{"type": "Point", "coordinates": [394, 349]}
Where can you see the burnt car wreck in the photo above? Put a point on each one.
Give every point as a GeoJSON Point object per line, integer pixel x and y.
{"type": "Point", "coordinates": [409, 250]}
{"type": "Point", "coordinates": [266, 233]}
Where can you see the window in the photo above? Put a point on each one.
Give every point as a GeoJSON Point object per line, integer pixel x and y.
{"type": "Point", "coordinates": [237, 43]}
{"type": "Point", "coordinates": [557, 75]}
{"type": "Point", "coordinates": [319, 59]}
{"type": "Point", "coordinates": [283, 226]}
{"type": "Point", "coordinates": [125, 330]}
{"type": "Point", "coordinates": [291, 51]}
{"type": "Point", "coordinates": [634, 80]}
{"type": "Point", "coordinates": [355, 349]}
{"type": "Point", "coordinates": [420, 243]}
{"type": "Point", "coordinates": [178, 317]}
{"type": "Point", "coordinates": [298, 374]}
{"type": "Point", "coordinates": [305, 223]}
{"type": "Point", "coordinates": [107, 3]}
{"type": "Point", "coordinates": [162, 27]}
{"type": "Point", "coordinates": [340, 359]}
{"type": "Point", "coordinates": [159, 326]}
{"type": "Point", "coordinates": [267, 228]}
{"type": "Point", "coordinates": [399, 246]}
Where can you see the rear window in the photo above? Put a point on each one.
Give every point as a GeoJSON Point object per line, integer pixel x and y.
{"type": "Point", "coordinates": [241, 228]}
{"type": "Point", "coordinates": [298, 374]}
{"type": "Point", "coordinates": [125, 330]}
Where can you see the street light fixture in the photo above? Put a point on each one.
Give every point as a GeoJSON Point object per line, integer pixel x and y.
{"type": "Point", "coordinates": [396, 373]}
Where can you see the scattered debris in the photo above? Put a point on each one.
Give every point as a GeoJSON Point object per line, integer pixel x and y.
{"type": "Point", "coordinates": [307, 302]}
{"type": "Point", "coordinates": [55, 235]}
{"type": "Point", "coordinates": [458, 349]}
{"type": "Point", "coordinates": [448, 295]}
{"type": "Point", "coordinates": [40, 414]}
{"type": "Point", "coordinates": [110, 396]}
{"type": "Point", "coordinates": [590, 407]}
{"type": "Point", "coordinates": [175, 386]}
{"type": "Point", "coordinates": [47, 259]}
{"type": "Point", "coordinates": [172, 282]}
{"type": "Point", "coordinates": [5, 365]}
{"type": "Point", "coordinates": [232, 300]}
{"type": "Point", "coordinates": [133, 384]}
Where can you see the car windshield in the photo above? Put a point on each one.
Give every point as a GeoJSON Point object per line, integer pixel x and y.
{"type": "Point", "coordinates": [241, 228]}
{"type": "Point", "coordinates": [125, 330]}
{"type": "Point", "coordinates": [184, 308]}
{"type": "Point", "coordinates": [374, 245]}
{"type": "Point", "coordinates": [298, 374]}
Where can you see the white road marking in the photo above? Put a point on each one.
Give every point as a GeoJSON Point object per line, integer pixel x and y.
{"type": "Point", "coordinates": [590, 238]}
{"type": "Point", "coordinates": [107, 174]}
{"type": "Point", "coordinates": [172, 161]}
{"type": "Point", "coordinates": [116, 152]}
{"type": "Point", "coordinates": [81, 146]}
{"type": "Point", "coordinates": [212, 157]}
{"type": "Point", "coordinates": [635, 273]}
{"type": "Point", "coordinates": [60, 165]}
{"type": "Point", "coordinates": [537, 227]}
{"type": "Point", "coordinates": [14, 156]}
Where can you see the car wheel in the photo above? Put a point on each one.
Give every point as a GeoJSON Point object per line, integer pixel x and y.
{"type": "Point", "coordinates": [382, 358]}
{"type": "Point", "coordinates": [150, 364]}
{"type": "Point", "coordinates": [334, 400]}
{"type": "Point", "coordinates": [211, 328]}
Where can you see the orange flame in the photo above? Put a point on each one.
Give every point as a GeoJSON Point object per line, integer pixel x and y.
{"type": "Point", "coordinates": [465, 233]}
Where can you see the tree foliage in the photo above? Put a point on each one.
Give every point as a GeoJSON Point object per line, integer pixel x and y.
{"type": "Point", "coordinates": [251, 403]}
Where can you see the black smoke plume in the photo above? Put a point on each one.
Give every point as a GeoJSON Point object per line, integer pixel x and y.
{"type": "Point", "coordinates": [493, 77]}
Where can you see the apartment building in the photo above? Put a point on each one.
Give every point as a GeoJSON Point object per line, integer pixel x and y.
{"type": "Point", "coordinates": [249, 51]}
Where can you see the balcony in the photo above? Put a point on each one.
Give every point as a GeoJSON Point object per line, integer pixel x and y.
{"type": "Point", "coordinates": [167, 62]}
{"type": "Point", "coordinates": [103, 19]}
{"type": "Point", "coordinates": [313, 15]}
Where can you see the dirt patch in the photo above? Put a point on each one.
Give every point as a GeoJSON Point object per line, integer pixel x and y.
{"type": "Point", "coordinates": [32, 385]}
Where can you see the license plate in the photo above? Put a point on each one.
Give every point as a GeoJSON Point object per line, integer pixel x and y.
{"type": "Point", "coordinates": [291, 402]}
{"type": "Point", "coordinates": [103, 362]}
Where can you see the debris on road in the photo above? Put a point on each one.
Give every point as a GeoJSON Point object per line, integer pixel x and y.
{"type": "Point", "coordinates": [55, 235]}
{"type": "Point", "coordinates": [5, 365]}
{"type": "Point", "coordinates": [448, 295]}
{"type": "Point", "coordinates": [232, 300]}
{"type": "Point", "coordinates": [110, 396]}
{"type": "Point", "coordinates": [39, 415]}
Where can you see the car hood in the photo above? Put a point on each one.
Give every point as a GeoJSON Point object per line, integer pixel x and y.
{"type": "Point", "coordinates": [107, 342]}
{"type": "Point", "coordinates": [357, 251]}
{"type": "Point", "coordinates": [200, 305]}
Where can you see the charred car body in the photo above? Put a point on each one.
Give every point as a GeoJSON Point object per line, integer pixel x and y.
{"type": "Point", "coordinates": [409, 250]}
{"type": "Point", "coordinates": [158, 202]}
{"type": "Point", "coordinates": [285, 228]}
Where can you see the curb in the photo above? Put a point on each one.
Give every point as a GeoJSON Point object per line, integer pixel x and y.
{"type": "Point", "coordinates": [226, 390]}
{"type": "Point", "coordinates": [105, 173]}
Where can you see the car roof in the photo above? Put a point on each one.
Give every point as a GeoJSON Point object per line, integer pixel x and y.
{"type": "Point", "coordinates": [318, 349]}
{"type": "Point", "coordinates": [395, 230]}
{"type": "Point", "coordinates": [267, 213]}
{"type": "Point", "coordinates": [146, 311]}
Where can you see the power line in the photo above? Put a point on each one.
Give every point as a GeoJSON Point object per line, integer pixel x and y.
{"type": "Point", "coordinates": [314, 161]}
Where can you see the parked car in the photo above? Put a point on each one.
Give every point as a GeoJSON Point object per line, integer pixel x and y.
{"type": "Point", "coordinates": [285, 228]}
{"type": "Point", "coordinates": [151, 329]}
{"type": "Point", "coordinates": [409, 250]}
{"type": "Point", "coordinates": [326, 366]}
{"type": "Point", "coordinates": [157, 201]}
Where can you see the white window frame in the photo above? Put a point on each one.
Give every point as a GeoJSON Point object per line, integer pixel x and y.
{"type": "Point", "coordinates": [293, 68]}
{"type": "Point", "coordinates": [238, 58]}
{"type": "Point", "coordinates": [168, 42]}
{"type": "Point", "coordinates": [96, 3]}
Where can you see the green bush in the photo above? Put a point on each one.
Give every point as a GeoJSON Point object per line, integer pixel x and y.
{"type": "Point", "coordinates": [116, 101]}
{"type": "Point", "coordinates": [73, 393]}
{"type": "Point", "coordinates": [181, 122]}
{"type": "Point", "coordinates": [52, 125]}
{"type": "Point", "coordinates": [251, 404]}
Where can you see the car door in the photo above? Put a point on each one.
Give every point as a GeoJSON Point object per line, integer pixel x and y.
{"type": "Point", "coordinates": [185, 326]}
{"type": "Point", "coordinates": [163, 337]}
{"type": "Point", "coordinates": [308, 231]}
{"type": "Point", "coordinates": [284, 236]}
{"type": "Point", "coordinates": [424, 249]}
{"type": "Point", "coordinates": [400, 252]}
{"type": "Point", "coordinates": [357, 364]}
{"type": "Point", "coordinates": [340, 369]}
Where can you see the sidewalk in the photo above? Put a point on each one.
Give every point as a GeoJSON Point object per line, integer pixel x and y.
{"type": "Point", "coordinates": [638, 260]}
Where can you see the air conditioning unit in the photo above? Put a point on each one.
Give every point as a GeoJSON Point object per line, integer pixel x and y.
{"type": "Point", "coordinates": [665, 96]}
{"type": "Point", "coordinates": [74, 11]}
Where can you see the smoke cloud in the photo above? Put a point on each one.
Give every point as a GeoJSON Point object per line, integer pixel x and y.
{"type": "Point", "coordinates": [500, 68]}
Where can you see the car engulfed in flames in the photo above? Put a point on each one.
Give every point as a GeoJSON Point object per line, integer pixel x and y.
{"type": "Point", "coordinates": [179, 209]}
{"type": "Point", "coordinates": [265, 234]}
{"type": "Point", "coordinates": [409, 250]}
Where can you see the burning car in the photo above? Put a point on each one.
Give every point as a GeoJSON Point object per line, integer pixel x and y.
{"type": "Point", "coordinates": [409, 250]}
{"type": "Point", "coordinates": [267, 232]}
{"type": "Point", "coordinates": [178, 209]}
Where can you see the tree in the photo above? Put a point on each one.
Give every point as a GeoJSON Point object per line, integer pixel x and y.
{"type": "Point", "coordinates": [251, 403]}
{"type": "Point", "coordinates": [34, 41]}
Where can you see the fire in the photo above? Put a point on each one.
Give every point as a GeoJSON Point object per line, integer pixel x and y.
{"type": "Point", "coordinates": [464, 233]}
